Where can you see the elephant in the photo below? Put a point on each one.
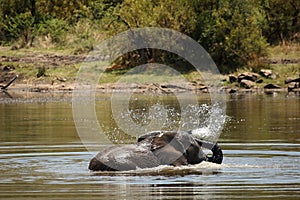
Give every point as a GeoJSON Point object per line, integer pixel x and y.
{"type": "Point", "coordinates": [175, 148]}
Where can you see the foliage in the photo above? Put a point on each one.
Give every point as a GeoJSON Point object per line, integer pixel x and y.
{"type": "Point", "coordinates": [20, 26]}
{"type": "Point", "coordinates": [281, 20]}
{"type": "Point", "coordinates": [234, 32]}
{"type": "Point", "coordinates": [229, 30]}
{"type": "Point", "coordinates": [69, 10]}
{"type": "Point", "coordinates": [41, 72]}
{"type": "Point", "coordinates": [86, 34]}
{"type": "Point", "coordinates": [176, 15]}
{"type": "Point", "coordinates": [52, 28]}
{"type": "Point", "coordinates": [103, 8]}
{"type": "Point", "coordinates": [231, 33]}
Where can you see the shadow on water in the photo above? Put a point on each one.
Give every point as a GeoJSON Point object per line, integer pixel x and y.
{"type": "Point", "coordinates": [42, 157]}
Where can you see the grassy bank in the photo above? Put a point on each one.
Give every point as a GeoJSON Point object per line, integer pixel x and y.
{"type": "Point", "coordinates": [60, 66]}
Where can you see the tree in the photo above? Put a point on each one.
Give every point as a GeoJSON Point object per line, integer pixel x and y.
{"type": "Point", "coordinates": [102, 8]}
{"type": "Point", "coordinates": [230, 31]}
{"type": "Point", "coordinates": [281, 20]}
{"type": "Point", "coordinates": [70, 10]}
{"type": "Point", "coordinates": [176, 15]}
{"type": "Point", "coordinates": [19, 27]}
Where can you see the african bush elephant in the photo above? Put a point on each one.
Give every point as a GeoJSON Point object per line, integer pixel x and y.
{"type": "Point", "coordinates": [154, 149]}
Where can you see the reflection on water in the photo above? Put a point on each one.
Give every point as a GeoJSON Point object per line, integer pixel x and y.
{"type": "Point", "coordinates": [264, 117]}
{"type": "Point", "coordinates": [41, 155]}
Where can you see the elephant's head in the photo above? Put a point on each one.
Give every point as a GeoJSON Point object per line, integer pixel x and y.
{"type": "Point", "coordinates": [217, 156]}
{"type": "Point", "coordinates": [168, 145]}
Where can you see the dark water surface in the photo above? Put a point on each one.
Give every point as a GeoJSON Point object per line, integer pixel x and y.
{"type": "Point", "coordinates": [42, 157]}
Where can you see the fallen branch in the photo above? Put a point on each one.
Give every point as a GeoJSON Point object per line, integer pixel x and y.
{"type": "Point", "coordinates": [9, 83]}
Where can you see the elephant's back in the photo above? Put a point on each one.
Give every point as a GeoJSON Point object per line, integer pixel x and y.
{"type": "Point", "coordinates": [122, 158]}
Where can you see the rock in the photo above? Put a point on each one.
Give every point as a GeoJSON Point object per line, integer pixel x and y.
{"type": "Point", "coordinates": [290, 80]}
{"type": "Point", "coordinates": [273, 76]}
{"type": "Point", "coordinates": [232, 78]}
{"type": "Point", "coordinates": [296, 90]}
{"type": "Point", "coordinates": [247, 83]}
{"type": "Point", "coordinates": [14, 47]}
{"type": "Point", "coordinates": [259, 80]}
{"type": "Point", "coordinates": [5, 68]}
{"type": "Point", "coordinates": [248, 76]}
{"type": "Point", "coordinates": [61, 79]}
{"type": "Point", "coordinates": [292, 86]}
{"type": "Point", "coordinates": [267, 73]}
{"type": "Point", "coordinates": [203, 87]}
{"type": "Point", "coordinates": [231, 91]}
{"type": "Point", "coordinates": [272, 86]}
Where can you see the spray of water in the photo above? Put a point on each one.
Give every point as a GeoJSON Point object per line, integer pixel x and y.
{"type": "Point", "coordinates": [204, 121]}
{"type": "Point", "coordinates": [213, 124]}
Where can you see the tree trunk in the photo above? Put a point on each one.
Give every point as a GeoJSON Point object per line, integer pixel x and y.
{"type": "Point", "coordinates": [33, 8]}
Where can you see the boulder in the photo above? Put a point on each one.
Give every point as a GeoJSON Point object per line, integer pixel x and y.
{"type": "Point", "coordinates": [291, 80]}
{"type": "Point", "coordinates": [247, 83]}
{"type": "Point", "coordinates": [232, 90]}
{"type": "Point", "coordinates": [292, 86]}
{"type": "Point", "coordinates": [259, 80]}
{"type": "Point", "coordinates": [267, 73]}
{"type": "Point", "coordinates": [248, 76]}
{"type": "Point", "coordinates": [232, 78]}
{"type": "Point", "coordinates": [203, 87]}
{"type": "Point", "coordinates": [5, 68]}
{"type": "Point", "coordinates": [272, 86]}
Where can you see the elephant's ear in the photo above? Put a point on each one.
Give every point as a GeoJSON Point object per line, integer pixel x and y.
{"type": "Point", "coordinates": [149, 135]}
{"type": "Point", "coordinates": [204, 144]}
{"type": "Point", "coordinates": [164, 138]}
{"type": "Point", "coordinates": [217, 156]}
{"type": "Point", "coordinates": [168, 149]}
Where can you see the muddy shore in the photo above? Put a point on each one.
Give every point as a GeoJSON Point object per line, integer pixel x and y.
{"type": "Point", "coordinates": [13, 64]}
{"type": "Point", "coordinates": [135, 88]}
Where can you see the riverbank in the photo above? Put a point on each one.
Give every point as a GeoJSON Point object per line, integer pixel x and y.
{"type": "Point", "coordinates": [41, 70]}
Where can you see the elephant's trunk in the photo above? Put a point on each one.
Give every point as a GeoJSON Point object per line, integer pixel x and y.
{"type": "Point", "coordinates": [217, 156]}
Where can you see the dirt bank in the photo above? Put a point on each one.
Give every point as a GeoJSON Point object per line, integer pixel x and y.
{"type": "Point", "coordinates": [40, 71]}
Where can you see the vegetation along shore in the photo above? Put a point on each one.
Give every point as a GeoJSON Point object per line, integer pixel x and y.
{"type": "Point", "coordinates": [254, 43]}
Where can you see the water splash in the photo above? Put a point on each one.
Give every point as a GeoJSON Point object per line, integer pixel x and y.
{"type": "Point", "coordinates": [166, 170]}
{"type": "Point", "coordinates": [214, 122]}
{"type": "Point", "coordinates": [205, 121]}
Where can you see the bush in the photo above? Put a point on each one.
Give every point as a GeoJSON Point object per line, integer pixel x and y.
{"type": "Point", "coordinates": [20, 27]}
{"type": "Point", "coordinates": [83, 35]}
{"type": "Point", "coordinates": [229, 30]}
{"type": "Point", "coordinates": [54, 28]}
{"type": "Point", "coordinates": [231, 33]}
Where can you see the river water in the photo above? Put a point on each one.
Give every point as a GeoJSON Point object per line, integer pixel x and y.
{"type": "Point", "coordinates": [42, 156]}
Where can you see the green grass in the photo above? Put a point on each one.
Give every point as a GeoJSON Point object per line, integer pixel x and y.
{"type": "Point", "coordinates": [29, 72]}
{"type": "Point", "coordinates": [7, 51]}
{"type": "Point", "coordinates": [69, 72]}
{"type": "Point", "coordinates": [290, 51]}
{"type": "Point", "coordinates": [283, 71]}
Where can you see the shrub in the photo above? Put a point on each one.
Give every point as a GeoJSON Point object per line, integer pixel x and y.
{"type": "Point", "coordinates": [54, 28]}
{"type": "Point", "coordinates": [20, 26]}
